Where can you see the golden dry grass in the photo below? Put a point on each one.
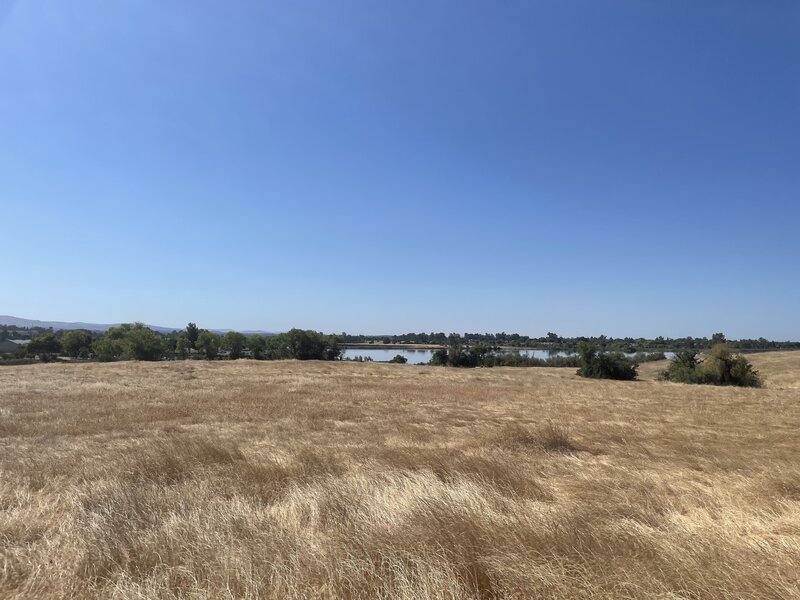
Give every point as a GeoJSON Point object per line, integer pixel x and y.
{"type": "Point", "coordinates": [336, 480]}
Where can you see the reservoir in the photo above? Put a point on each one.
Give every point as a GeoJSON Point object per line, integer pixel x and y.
{"type": "Point", "coordinates": [416, 356]}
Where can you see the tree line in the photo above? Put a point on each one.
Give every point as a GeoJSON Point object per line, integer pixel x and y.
{"type": "Point", "coordinates": [553, 341]}
{"type": "Point", "coordinates": [138, 342]}
{"type": "Point", "coordinates": [718, 366]}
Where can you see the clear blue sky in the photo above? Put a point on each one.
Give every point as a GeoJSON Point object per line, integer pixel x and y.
{"type": "Point", "coordinates": [618, 167]}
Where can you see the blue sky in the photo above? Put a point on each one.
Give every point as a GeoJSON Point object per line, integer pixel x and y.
{"type": "Point", "coordinates": [618, 167]}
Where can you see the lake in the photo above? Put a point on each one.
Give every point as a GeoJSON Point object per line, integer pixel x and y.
{"type": "Point", "coordinates": [423, 356]}
{"type": "Point", "coordinates": [386, 354]}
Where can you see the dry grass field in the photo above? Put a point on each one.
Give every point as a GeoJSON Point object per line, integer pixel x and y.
{"type": "Point", "coordinates": [340, 480]}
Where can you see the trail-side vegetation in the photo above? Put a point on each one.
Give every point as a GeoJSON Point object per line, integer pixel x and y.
{"type": "Point", "coordinates": [321, 480]}
{"type": "Point", "coordinates": [719, 367]}
{"type": "Point", "coordinates": [604, 365]}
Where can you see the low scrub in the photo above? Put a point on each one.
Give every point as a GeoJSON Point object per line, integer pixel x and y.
{"type": "Point", "coordinates": [604, 365]}
{"type": "Point", "coordinates": [719, 367]}
{"type": "Point", "coordinates": [485, 356]}
{"type": "Point", "coordinates": [550, 437]}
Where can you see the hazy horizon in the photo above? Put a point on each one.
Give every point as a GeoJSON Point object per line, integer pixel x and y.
{"type": "Point", "coordinates": [620, 168]}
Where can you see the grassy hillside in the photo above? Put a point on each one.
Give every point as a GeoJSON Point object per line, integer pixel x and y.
{"type": "Point", "coordinates": [340, 480]}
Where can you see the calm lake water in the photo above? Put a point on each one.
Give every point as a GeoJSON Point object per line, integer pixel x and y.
{"type": "Point", "coordinates": [423, 356]}
{"type": "Point", "coordinates": [383, 354]}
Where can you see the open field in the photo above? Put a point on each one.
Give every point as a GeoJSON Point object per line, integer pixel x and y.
{"type": "Point", "coordinates": [344, 480]}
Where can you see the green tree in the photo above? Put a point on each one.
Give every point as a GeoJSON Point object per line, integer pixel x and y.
{"type": "Point", "coordinates": [129, 342]}
{"type": "Point", "coordinates": [142, 343]}
{"type": "Point", "coordinates": [234, 342]}
{"type": "Point", "coordinates": [182, 346]}
{"type": "Point", "coordinates": [191, 334]}
{"type": "Point", "coordinates": [208, 344]}
{"type": "Point", "coordinates": [258, 346]}
{"type": "Point", "coordinates": [440, 358]}
{"type": "Point", "coordinates": [107, 349]}
{"type": "Point", "coordinates": [77, 342]}
{"type": "Point", "coordinates": [111, 345]}
{"type": "Point", "coordinates": [398, 358]}
{"type": "Point", "coordinates": [718, 338]}
{"type": "Point", "coordinates": [303, 344]}
{"type": "Point", "coordinates": [45, 346]}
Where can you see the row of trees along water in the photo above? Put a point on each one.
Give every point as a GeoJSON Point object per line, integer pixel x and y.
{"type": "Point", "coordinates": [138, 342]}
{"type": "Point", "coordinates": [719, 366]}
{"type": "Point", "coordinates": [553, 341]}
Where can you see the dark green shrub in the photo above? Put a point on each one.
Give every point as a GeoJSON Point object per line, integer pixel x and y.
{"type": "Point", "coordinates": [439, 358]}
{"type": "Point", "coordinates": [683, 368]}
{"type": "Point", "coordinates": [604, 365]}
{"type": "Point", "coordinates": [719, 367]}
{"type": "Point", "coordinates": [397, 358]}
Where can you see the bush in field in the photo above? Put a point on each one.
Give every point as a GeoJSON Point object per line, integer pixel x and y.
{"type": "Point", "coordinates": [683, 368]}
{"type": "Point", "coordinates": [722, 367]}
{"type": "Point", "coordinates": [397, 358]}
{"type": "Point", "coordinates": [513, 359]}
{"type": "Point", "coordinates": [719, 367]}
{"type": "Point", "coordinates": [604, 365]}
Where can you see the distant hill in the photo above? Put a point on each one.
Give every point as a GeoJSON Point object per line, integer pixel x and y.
{"type": "Point", "coordinates": [19, 322]}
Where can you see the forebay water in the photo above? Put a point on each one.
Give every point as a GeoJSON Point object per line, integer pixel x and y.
{"type": "Point", "coordinates": [415, 356]}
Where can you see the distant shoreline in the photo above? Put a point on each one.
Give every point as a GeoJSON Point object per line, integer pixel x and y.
{"type": "Point", "coordinates": [382, 346]}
